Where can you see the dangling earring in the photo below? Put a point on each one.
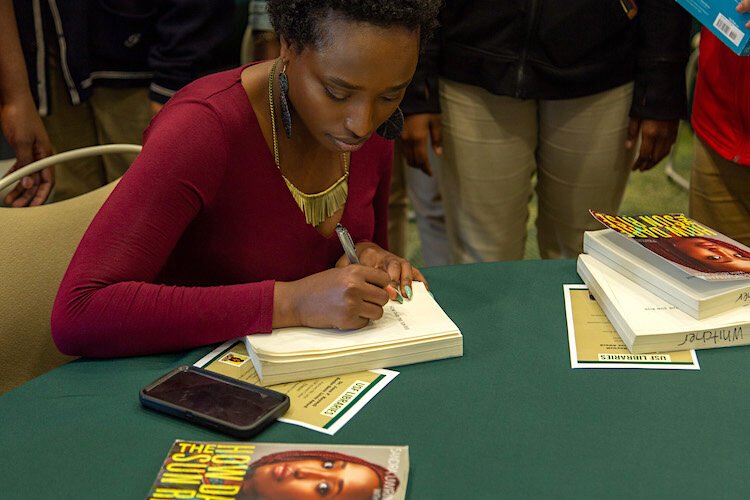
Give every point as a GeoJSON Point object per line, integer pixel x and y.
{"type": "Point", "coordinates": [392, 127]}
{"type": "Point", "coordinates": [286, 114]}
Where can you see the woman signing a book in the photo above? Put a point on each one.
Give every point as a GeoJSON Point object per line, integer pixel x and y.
{"type": "Point", "coordinates": [225, 224]}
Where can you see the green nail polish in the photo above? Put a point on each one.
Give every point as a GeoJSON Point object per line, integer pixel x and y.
{"type": "Point", "coordinates": [399, 298]}
{"type": "Point", "coordinates": [431, 294]}
{"type": "Point", "coordinates": [407, 289]}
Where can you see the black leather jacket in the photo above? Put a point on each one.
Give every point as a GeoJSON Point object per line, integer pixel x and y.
{"type": "Point", "coordinates": [558, 49]}
{"type": "Point", "coordinates": [163, 44]}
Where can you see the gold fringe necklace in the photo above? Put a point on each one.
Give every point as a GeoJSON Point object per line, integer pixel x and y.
{"type": "Point", "coordinates": [317, 207]}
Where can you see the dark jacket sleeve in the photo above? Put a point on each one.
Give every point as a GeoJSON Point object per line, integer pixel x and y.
{"type": "Point", "coordinates": [661, 56]}
{"type": "Point", "coordinates": [422, 93]}
{"type": "Point", "coordinates": [187, 34]}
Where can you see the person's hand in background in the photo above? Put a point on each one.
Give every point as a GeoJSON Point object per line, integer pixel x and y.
{"type": "Point", "coordinates": [155, 107]}
{"type": "Point", "coordinates": [744, 6]}
{"type": "Point", "coordinates": [657, 138]}
{"type": "Point", "coordinates": [19, 119]}
{"type": "Point", "coordinates": [25, 132]}
{"type": "Point", "coordinates": [419, 130]}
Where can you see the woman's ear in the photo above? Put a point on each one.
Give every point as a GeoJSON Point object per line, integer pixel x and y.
{"type": "Point", "coordinates": [287, 49]}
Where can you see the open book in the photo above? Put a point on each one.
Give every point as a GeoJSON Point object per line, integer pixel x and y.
{"type": "Point", "coordinates": [415, 331]}
{"type": "Point", "coordinates": [648, 324]}
{"type": "Point", "coordinates": [243, 470]}
{"type": "Point", "coordinates": [691, 266]}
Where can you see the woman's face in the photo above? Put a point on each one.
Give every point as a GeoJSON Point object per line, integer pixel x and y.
{"type": "Point", "coordinates": [315, 478]}
{"type": "Point", "coordinates": [714, 254]}
{"type": "Point", "coordinates": [343, 89]}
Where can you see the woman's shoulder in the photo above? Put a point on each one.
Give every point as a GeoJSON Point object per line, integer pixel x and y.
{"type": "Point", "coordinates": [221, 93]}
{"type": "Point", "coordinates": [209, 86]}
{"type": "Point", "coordinates": [217, 102]}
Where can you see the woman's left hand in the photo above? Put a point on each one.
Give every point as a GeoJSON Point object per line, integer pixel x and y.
{"type": "Point", "coordinates": [400, 270]}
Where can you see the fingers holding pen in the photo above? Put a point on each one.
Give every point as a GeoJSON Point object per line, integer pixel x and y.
{"type": "Point", "coordinates": [375, 282]}
{"type": "Point", "coordinates": [346, 297]}
{"type": "Point", "coordinates": [400, 270]}
{"type": "Point", "coordinates": [363, 294]}
{"type": "Point", "coordinates": [400, 276]}
{"type": "Point", "coordinates": [391, 287]}
{"type": "Point", "coordinates": [367, 253]}
{"type": "Point", "coordinates": [343, 298]}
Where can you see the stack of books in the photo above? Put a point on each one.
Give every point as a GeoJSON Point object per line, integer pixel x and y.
{"type": "Point", "coordinates": [668, 283]}
{"type": "Point", "coordinates": [417, 330]}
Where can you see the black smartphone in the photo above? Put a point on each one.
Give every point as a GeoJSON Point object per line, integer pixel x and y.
{"type": "Point", "coordinates": [222, 403]}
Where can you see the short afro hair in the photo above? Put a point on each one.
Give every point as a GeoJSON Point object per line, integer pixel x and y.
{"type": "Point", "coordinates": [297, 20]}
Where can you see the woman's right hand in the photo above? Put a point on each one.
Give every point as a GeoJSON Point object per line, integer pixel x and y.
{"type": "Point", "coordinates": [345, 298]}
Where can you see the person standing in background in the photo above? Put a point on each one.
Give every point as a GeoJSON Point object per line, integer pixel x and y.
{"type": "Point", "coordinates": [423, 191]}
{"type": "Point", "coordinates": [98, 71]}
{"type": "Point", "coordinates": [562, 90]}
{"type": "Point", "coordinates": [21, 124]}
{"type": "Point", "coordinates": [720, 178]}
{"type": "Point", "coordinates": [261, 41]}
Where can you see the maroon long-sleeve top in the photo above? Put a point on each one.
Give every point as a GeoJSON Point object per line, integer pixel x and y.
{"type": "Point", "coordinates": [186, 250]}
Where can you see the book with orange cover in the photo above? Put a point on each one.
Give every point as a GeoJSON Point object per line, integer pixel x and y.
{"type": "Point", "coordinates": [243, 470]}
{"type": "Point", "coordinates": [693, 267]}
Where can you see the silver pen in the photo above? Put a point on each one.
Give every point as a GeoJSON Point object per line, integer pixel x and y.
{"type": "Point", "coordinates": [347, 243]}
{"type": "Point", "coordinates": [351, 253]}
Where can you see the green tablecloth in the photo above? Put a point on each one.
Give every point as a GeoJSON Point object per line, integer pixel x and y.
{"type": "Point", "coordinates": [510, 418]}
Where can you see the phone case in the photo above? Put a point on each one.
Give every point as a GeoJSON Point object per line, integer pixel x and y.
{"type": "Point", "coordinates": [190, 415]}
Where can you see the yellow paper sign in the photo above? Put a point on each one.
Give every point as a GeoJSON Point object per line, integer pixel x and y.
{"type": "Point", "coordinates": [594, 342]}
{"type": "Point", "coordinates": [322, 404]}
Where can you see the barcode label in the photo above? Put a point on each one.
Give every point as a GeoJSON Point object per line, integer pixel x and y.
{"type": "Point", "coordinates": [728, 29]}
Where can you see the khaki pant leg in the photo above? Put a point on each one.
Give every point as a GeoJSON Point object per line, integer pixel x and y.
{"type": "Point", "coordinates": [71, 127]}
{"type": "Point", "coordinates": [121, 116]}
{"type": "Point", "coordinates": [720, 193]}
{"type": "Point", "coordinates": [583, 164]}
{"type": "Point", "coordinates": [486, 169]}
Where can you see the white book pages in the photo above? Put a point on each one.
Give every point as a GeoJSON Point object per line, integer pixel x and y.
{"type": "Point", "coordinates": [289, 372]}
{"type": "Point", "coordinates": [367, 352]}
{"type": "Point", "coordinates": [648, 317]}
{"type": "Point", "coordinates": [419, 318]}
{"type": "Point", "coordinates": [698, 297]}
